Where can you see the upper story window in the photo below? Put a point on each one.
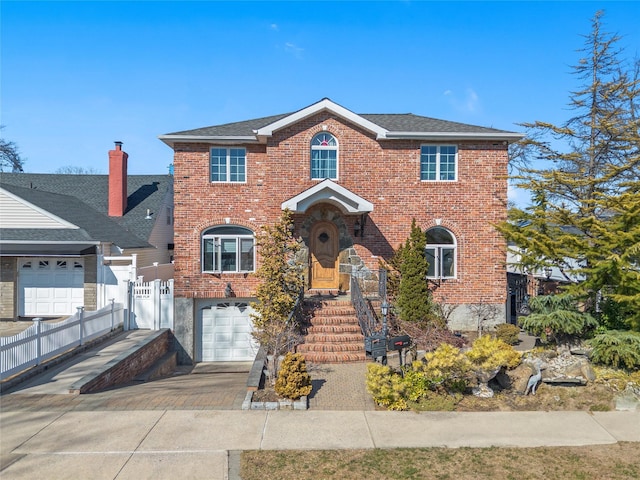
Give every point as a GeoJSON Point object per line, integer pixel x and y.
{"type": "Point", "coordinates": [438, 162]}
{"type": "Point", "coordinates": [441, 253]}
{"type": "Point", "coordinates": [228, 165]}
{"type": "Point", "coordinates": [324, 156]}
{"type": "Point", "coordinates": [228, 248]}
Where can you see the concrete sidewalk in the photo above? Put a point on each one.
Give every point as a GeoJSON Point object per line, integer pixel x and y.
{"type": "Point", "coordinates": [195, 444]}
{"type": "Point", "coordinates": [185, 426]}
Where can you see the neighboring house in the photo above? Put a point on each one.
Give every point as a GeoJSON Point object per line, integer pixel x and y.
{"type": "Point", "coordinates": [73, 240]}
{"type": "Point", "coordinates": [354, 182]}
{"type": "Point", "coordinates": [524, 283]}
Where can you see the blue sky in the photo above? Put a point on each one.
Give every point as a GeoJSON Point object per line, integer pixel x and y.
{"type": "Point", "coordinates": [76, 76]}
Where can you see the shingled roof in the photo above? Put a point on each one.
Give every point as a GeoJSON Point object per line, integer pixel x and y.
{"type": "Point", "coordinates": [386, 126]}
{"type": "Point", "coordinates": [82, 200]}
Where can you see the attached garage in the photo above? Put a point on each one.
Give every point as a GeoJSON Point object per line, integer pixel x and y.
{"type": "Point", "coordinates": [50, 286]}
{"type": "Point", "coordinates": [225, 332]}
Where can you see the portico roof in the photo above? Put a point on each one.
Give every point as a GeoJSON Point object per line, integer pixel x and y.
{"type": "Point", "coordinates": [328, 192]}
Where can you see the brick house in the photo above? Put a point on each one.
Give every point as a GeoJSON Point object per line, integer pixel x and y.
{"type": "Point", "coordinates": [354, 182]}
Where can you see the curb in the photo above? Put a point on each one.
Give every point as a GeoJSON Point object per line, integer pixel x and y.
{"type": "Point", "coordinates": [285, 404]}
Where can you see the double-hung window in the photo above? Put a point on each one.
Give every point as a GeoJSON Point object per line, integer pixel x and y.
{"type": "Point", "coordinates": [228, 165]}
{"type": "Point", "coordinates": [228, 248]}
{"type": "Point", "coordinates": [324, 157]}
{"type": "Point", "coordinates": [438, 162]}
{"type": "Point", "coordinates": [441, 253]}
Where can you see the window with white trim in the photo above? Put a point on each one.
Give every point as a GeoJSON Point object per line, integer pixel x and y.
{"type": "Point", "coordinates": [441, 253]}
{"type": "Point", "coordinates": [228, 165]}
{"type": "Point", "coordinates": [228, 248]}
{"type": "Point", "coordinates": [438, 162]}
{"type": "Point", "coordinates": [324, 157]}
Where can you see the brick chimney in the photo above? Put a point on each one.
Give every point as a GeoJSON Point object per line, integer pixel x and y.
{"type": "Point", "coordinates": [117, 181]}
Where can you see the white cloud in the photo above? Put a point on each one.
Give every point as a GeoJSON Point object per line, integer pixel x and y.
{"type": "Point", "coordinates": [274, 26]}
{"type": "Point", "coordinates": [294, 49]}
{"type": "Point", "coordinates": [471, 100]}
{"type": "Point", "coordinates": [468, 103]}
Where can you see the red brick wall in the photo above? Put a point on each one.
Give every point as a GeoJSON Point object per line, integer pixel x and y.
{"type": "Point", "coordinates": [386, 173]}
{"type": "Point", "coordinates": [134, 364]}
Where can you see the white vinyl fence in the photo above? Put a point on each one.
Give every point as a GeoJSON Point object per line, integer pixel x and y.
{"type": "Point", "coordinates": [152, 304]}
{"type": "Point", "coordinates": [42, 341]}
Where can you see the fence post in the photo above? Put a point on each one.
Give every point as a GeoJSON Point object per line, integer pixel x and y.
{"type": "Point", "coordinates": [113, 316]}
{"type": "Point", "coordinates": [126, 321]}
{"type": "Point", "coordinates": [38, 323]}
{"type": "Point", "coordinates": [156, 305]}
{"type": "Point", "coordinates": [81, 318]}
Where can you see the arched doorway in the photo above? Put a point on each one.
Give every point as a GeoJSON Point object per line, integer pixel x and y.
{"type": "Point", "coordinates": [324, 243]}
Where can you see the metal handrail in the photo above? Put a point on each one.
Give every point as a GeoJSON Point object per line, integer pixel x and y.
{"type": "Point", "coordinates": [382, 283]}
{"type": "Point", "coordinates": [366, 317]}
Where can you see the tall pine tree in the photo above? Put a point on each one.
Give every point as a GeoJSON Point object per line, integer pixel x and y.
{"type": "Point", "coordinates": [584, 181]}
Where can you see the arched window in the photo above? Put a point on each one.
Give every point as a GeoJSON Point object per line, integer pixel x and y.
{"type": "Point", "coordinates": [228, 248]}
{"type": "Point", "coordinates": [324, 156]}
{"type": "Point", "coordinates": [441, 253]}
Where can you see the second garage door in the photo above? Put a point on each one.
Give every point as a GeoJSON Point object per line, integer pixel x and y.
{"type": "Point", "coordinates": [226, 333]}
{"type": "Point", "coordinates": [50, 286]}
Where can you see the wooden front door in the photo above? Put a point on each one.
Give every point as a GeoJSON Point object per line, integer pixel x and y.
{"type": "Point", "coordinates": [324, 255]}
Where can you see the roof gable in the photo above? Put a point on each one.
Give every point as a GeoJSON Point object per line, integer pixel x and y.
{"type": "Point", "coordinates": [328, 192]}
{"type": "Point", "coordinates": [324, 105]}
{"type": "Point", "coordinates": [19, 213]}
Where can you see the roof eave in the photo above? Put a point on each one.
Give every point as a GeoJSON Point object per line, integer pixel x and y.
{"type": "Point", "coordinates": [171, 140]}
{"type": "Point", "coordinates": [439, 136]}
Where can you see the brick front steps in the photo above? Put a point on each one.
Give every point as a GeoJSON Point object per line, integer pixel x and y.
{"type": "Point", "coordinates": [333, 332]}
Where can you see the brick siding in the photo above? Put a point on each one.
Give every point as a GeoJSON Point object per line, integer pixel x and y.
{"type": "Point", "coordinates": [131, 364]}
{"type": "Point", "coordinates": [8, 269]}
{"type": "Point", "coordinates": [386, 173]}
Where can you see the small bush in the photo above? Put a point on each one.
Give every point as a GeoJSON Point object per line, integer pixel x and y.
{"type": "Point", "coordinates": [620, 349]}
{"type": "Point", "coordinates": [434, 384]}
{"type": "Point", "coordinates": [446, 366]}
{"type": "Point", "coordinates": [508, 333]}
{"type": "Point", "coordinates": [387, 388]}
{"type": "Point", "coordinates": [488, 353]}
{"type": "Point", "coordinates": [293, 380]}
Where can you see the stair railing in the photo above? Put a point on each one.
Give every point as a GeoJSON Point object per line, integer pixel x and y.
{"type": "Point", "coordinates": [382, 283]}
{"type": "Point", "coordinates": [366, 317]}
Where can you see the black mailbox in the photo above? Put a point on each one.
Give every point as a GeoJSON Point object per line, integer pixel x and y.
{"type": "Point", "coordinates": [398, 343]}
{"type": "Point", "coordinates": [375, 346]}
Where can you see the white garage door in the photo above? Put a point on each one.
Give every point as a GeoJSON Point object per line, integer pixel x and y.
{"type": "Point", "coordinates": [226, 333]}
{"type": "Point", "coordinates": [50, 286]}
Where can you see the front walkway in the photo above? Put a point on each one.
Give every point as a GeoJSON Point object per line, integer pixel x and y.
{"type": "Point", "coordinates": [339, 387]}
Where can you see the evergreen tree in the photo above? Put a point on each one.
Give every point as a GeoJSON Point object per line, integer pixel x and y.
{"type": "Point", "coordinates": [281, 278]}
{"type": "Point", "coordinates": [414, 298]}
{"type": "Point", "coordinates": [557, 316]}
{"type": "Point", "coordinates": [584, 182]}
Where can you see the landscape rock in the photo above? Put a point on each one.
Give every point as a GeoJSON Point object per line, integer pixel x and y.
{"type": "Point", "coordinates": [503, 380]}
{"type": "Point", "coordinates": [569, 369]}
{"type": "Point", "coordinates": [629, 400]}
{"type": "Point", "coordinates": [519, 376]}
